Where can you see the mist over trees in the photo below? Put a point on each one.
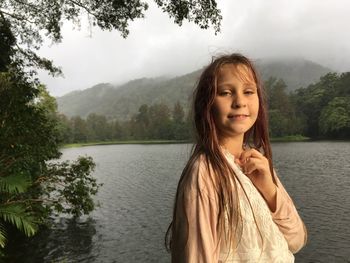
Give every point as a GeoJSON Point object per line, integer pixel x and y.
{"type": "Point", "coordinates": [320, 111]}
{"type": "Point", "coordinates": [154, 122]}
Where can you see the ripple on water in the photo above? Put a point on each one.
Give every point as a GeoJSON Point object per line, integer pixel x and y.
{"type": "Point", "coordinates": [138, 193]}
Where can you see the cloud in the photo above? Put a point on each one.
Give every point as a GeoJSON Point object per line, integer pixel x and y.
{"type": "Point", "coordinates": [315, 30]}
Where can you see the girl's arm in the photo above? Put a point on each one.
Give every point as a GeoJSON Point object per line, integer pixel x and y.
{"type": "Point", "coordinates": [195, 237]}
{"type": "Point", "coordinates": [288, 220]}
{"type": "Point", "coordinates": [284, 213]}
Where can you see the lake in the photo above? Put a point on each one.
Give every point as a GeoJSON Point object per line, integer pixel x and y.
{"type": "Point", "coordinates": [136, 199]}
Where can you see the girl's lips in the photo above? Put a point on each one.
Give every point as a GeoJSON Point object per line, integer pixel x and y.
{"type": "Point", "coordinates": [238, 116]}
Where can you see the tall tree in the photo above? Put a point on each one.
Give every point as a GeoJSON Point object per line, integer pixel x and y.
{"type": "Point", "coordinates": [7, 41]}
{"type": "Point", "coordinates": [28, 139]}
{"type": "Point", "coordinates": [160, 123]}
{"type": "Point", "coordinates": [79, 129]}
{"type": "Point", "coordinates": [180, 129]}
{"type": "Point", "coordinates": [335, 118]}
{"type": "Point", "coordinates": [283, 119]}
{"type": "Point", "coordinates": [310, 101]}
{"type": "Point", "coordinates": [178, 113]}
{"type": "Point", "coordinates": [98, 128]}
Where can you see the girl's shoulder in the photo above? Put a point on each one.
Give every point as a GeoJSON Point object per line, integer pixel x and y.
{"type": "Point", "coordinates": [198, 176]}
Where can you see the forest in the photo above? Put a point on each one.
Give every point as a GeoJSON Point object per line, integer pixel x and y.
{"type": "Point", "coordinates": [319, 111]}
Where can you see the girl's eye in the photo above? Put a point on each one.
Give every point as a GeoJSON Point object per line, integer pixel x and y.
{"type": "Point", "coordinates": [249, 92]}
{"type": "Point", "coordinates": [224, 93]}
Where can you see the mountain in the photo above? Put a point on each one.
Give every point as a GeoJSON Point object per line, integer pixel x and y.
{"type": "Point", "coordinates": [123, 101]}
{"type": "Point", "coordinates": [296, 72]}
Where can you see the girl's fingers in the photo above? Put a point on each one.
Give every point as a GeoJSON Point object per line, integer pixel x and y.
{"type": "Point", "coordinates": [252, 165]}
{"type": "Point", "coordinates": [250, 153]}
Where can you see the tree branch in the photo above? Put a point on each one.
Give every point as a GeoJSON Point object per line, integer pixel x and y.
{"type": "Point", "coordinates": [19, 18]}
{"type": "Point", "coordinates": [37, 200]}
{"type": "Point", "coordinates": [29, 5]}
{"type": "Point", "coordinates": [82, 6]}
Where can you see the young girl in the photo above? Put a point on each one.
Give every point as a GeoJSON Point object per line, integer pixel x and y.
{"type": "Point", "coordinates": [230, 205]}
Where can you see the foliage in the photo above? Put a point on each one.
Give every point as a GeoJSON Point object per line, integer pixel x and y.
{"type": "Point", "coordinates": [124, 101]}
{"type": "Point", "coordinates": [68, 187]}
{"type": "Point", "coordinates": [283, 119]}
{"type": "Point", "coordinates": [29, 138]}
{"type": "Point", "coordinates": [202, 12]}
{"type": "Point", "coordinates": [299, 113]}
{"type": "Point", "coordinates": [155, 122]}
{"type": "Point", "coordinates": [324, 106]}
{"type": "Point", "coordinates": [335, 118]}
{"type": "Point", "coordinates": [30, 21]}
{"type": "Point", "coordinates": [7, 41]}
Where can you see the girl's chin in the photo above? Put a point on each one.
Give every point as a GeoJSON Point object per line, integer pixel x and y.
{"type": "Point", "coordinates": [233, 133]}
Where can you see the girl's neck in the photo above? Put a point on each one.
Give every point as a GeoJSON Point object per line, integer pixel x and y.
{"type": "Point", "coordinates": [234, 145]}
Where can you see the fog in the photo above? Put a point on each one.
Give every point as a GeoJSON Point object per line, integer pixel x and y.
{"type": "Point", "coordinates": [314, 30]}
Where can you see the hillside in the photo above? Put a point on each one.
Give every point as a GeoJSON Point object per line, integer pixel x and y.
{"type": "Point", "coordinates": [123, 101]}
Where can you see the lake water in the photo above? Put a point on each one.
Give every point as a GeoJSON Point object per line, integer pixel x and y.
{"type": "Point", "coordinates": [137, 197]}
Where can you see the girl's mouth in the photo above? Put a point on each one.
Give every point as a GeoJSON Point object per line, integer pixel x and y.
{"type": "Point", "coordinates": [238, 116]}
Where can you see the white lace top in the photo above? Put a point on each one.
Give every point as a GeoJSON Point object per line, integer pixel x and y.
{"type": "Point", "coordinates": [195, 238]}
{"type": "Point", "coordinates": [251, 248]}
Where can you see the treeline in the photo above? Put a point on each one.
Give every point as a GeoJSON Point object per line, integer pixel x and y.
{"type": "Point", "coordinates": [322, 110]}
{"type": "Point", "coordinates": [155, 122]}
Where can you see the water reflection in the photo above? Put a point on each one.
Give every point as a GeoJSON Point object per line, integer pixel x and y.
{"type": "Point", "coordinates": [138, 193]}
{"type": "Point", "coordinates": [67, 238]}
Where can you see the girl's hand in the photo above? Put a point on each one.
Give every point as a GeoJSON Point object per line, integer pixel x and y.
{"type": "Point", "coordinates": [256, 166]}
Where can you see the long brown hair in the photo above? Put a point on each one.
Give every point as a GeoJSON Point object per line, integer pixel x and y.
{"type": "Point", "coordinates": [207, 144]}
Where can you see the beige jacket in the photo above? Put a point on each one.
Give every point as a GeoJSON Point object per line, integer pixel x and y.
{"type": "Point", "coordinates": [283, 230]}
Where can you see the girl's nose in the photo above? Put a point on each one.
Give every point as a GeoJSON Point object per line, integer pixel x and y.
{"type": "Point", "coordinates": [238, 101]}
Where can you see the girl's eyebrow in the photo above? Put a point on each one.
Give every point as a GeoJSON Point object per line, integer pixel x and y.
{"type": "Point", "coordinates": [246, 85]}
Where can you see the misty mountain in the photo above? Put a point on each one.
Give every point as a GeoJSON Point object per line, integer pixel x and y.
{"type": "Point", "coordinates": [121, 102]}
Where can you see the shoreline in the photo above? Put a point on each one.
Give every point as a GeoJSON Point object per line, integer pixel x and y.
{"type": "Point", "coordinates": [83, 144]}
{"type": "Point", "coordinates": [292, 138]}
{"type": "Point", "coordinates": [73, 145]}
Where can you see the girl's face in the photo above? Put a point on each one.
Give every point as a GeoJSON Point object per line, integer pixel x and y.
{"type": "Point", "coordinates": [236, 104]}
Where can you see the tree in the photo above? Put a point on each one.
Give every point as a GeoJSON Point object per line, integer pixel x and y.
{"type": "Point", "coordinates": [29, 21]}
{"type": "Point", "coordinates": [117, 130]}
{"type": "Point", "coordinates": [79, 129]}
{"type": "Point", "coordinates": [180, 129]}
{"type": "Point", "coordinates": [335, 118]}
{"type": "Point", "coordinates": [310, 101]}
{"type": "Point", "coordinates": [29, 189]}
{"type": "Point", "coordinates": [142, 119]}
{"type": "Point", "coordinates": [277, 96]}
{"type": "Point", "coordinates": [283, 119]}
{"type": "Point", "coordinates": [98, 129]}
{"type": "Point", "coordinates": [6, 43]}
{"type": "Point", "coordinates": [178, 113]}
{"type": "Point", "coordinates": [160, 122]}
{"type": "Point", "coordinates": [64, 129]}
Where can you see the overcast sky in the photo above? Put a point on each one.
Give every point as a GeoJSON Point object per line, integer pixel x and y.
{"type": "Point", "coordinates": [315, 30]}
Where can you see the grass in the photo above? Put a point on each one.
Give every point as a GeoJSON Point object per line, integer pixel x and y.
{"type": "Point", "coordinates": [290, 138]}
{"type": "Point", "coordinates": [71, 145]}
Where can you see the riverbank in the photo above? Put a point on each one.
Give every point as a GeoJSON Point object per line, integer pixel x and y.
{"type": "Point", "coordinates": [290, 138]}
{"type": "Point", "coordinates": [71, 145]}
{"type": "Point", "coordinates": [293, 138]}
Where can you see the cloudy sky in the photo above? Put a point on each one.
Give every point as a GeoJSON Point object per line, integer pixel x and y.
{"type": "Point", "coordinates": [315, 30]}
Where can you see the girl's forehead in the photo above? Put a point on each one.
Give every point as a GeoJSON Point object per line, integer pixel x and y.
{"type": "Point", "coordinates": [239, 71]}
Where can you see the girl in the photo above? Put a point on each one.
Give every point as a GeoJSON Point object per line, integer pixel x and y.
{"type": "Point", "coordinates": [230, 205]}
